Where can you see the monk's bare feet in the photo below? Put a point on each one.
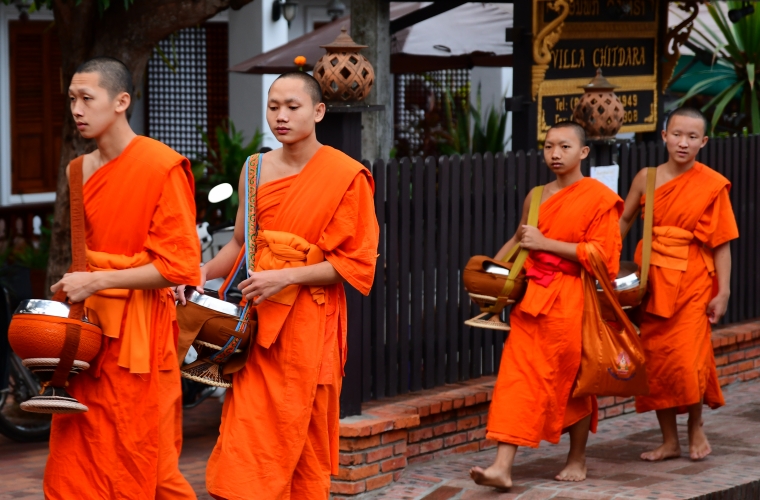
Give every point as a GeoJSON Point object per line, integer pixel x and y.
{"type": "Point", "coordinates": [574, 471]}
{"type": "Point", "coordinates": [662, 452]}
{"type": "Point", "coordinates": [699, 447]}
{"type": "Point", "coordinates": [491, 477]}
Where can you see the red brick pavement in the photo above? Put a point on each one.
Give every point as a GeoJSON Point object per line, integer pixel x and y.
{"type": "Point", "coordinates": [614, 469]}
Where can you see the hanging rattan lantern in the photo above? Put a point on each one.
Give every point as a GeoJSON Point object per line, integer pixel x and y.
{"type": "Point", "coordinates": [343, 73]}
{"type": "Point", "coordinates": [599, 111]}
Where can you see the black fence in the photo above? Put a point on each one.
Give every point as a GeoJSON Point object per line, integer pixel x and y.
{"type": "Point", "coordinates": [434, 214]}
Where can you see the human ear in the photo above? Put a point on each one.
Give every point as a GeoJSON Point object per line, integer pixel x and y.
{"type": "Point", "coordinates": [664, 135]}
{"type": "Point", "coordinates": [319, 112]}
{"type": "Point", "coordinates": [585, 150]}
{"type": "Point", "coordinates": [123, 100]}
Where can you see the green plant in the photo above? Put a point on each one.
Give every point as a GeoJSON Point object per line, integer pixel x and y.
{"type": "Point", "coordinates": [736, 59]}
{"type": "Point", "coordinates": [488, 137]}
{"type": "Point", "coordinates": [31, 256]}
{"type": "Point", "coordinates": [454, 138]}
{"type": "Point", "coordinates": [223, 162]}
{"type": "Point", "coordinates": [484, 134]}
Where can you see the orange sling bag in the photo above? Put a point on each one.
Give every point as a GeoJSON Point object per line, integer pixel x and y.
{"type": "Point", "coordinates": [612, 357]}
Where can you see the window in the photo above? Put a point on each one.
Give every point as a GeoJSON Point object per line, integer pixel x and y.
{"type": "Point", "coordinates": [37, 106]}
{"type": "Point", "coordinates": [419, 108]}
{"type": "Point", "coordinates": [191, 91]}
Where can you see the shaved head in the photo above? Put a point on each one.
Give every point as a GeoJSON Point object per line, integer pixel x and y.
{"type": "Point", "coordinates": [579, 131]}
{"type": "Point", "coordinates": [311, 85]}
{"type": "Point", "coordinates": [115, 77]}
{"type": "Point", "coordinates": [690, 113]}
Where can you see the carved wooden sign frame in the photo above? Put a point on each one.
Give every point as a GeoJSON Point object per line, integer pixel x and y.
{"type": "Point", "coordinates": [565, 36]}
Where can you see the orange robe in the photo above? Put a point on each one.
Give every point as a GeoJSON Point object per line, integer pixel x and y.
{"type": "Point", "coordinates": [692, 215]}
{"type": "Point", "coordinates": [139, 208]}
{"type": "Point", "coordinates": [279, 432]}
{"type": "Point", "coordinates": [542, 354]}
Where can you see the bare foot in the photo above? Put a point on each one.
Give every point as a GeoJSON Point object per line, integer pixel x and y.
{"type": "Point", "coordinates": [491, 477]}
{"type": "Point", "coordinates": [574, 471]}
{"type": "Point", "coordinates": [662, 452]}
{"type": "Point", "coordinates": [699, 447]}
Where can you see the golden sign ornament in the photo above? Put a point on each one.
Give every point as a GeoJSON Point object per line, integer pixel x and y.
{"type": "Point", "coordinates": [546, 38]}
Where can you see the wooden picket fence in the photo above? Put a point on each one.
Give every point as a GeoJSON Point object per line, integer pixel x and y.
{"type": "Point", "coordinates": [435, 213]}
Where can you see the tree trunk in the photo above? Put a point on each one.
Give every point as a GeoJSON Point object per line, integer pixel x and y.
{"type": "Point", "coordinates": [128, 35]}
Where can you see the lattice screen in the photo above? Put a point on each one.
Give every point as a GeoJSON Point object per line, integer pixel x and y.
{"type": "Point", "coordinates": [190, 93]}
{"type": "Point", "coordinates": [419, 107]}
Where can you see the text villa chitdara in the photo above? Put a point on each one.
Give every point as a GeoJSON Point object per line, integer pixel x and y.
{"type": "Point", "coordinates": [601, 57]}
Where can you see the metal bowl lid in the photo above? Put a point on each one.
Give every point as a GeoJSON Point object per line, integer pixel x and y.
{"type": "Point", "coordinates": [623, 283]}
{"type": "Point", "coordinates": [46, 308]}
{"type": "Point", "coordinates": [492, 268]}
{"type": "Point", "coordinates": [627, 282]}
{"type": "Point", "coordinates": [220, 306]}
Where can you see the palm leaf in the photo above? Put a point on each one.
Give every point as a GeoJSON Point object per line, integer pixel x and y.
{"type": "Point", "coordinates": [721, 101]}
{"type": "Point", "coordinates": [723, 25]}
{"type": "Point", "coordinates": [696, 89]}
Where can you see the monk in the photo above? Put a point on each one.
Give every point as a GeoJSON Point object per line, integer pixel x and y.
{"type": "Point", "coordinates": [689, 283]}
{"type": "Point", "coordinates": [532, 398]}
{"type": "Point", "coordinates": [317, 228]}
{"type": "Point", "coordinates": [141, 240]}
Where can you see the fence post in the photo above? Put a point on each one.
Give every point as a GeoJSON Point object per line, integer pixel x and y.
{"type": "Point", "coordinates": [351, 392]}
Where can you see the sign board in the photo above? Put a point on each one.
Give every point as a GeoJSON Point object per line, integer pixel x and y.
{"type": "Point", "coordinates": [556, 103]}
{"type": "Point", "coordinates": [618, 36]}
{"type": "Point", "coordinates": [608, 175]}
{"type": "Point", "coordinates": [603, 11]}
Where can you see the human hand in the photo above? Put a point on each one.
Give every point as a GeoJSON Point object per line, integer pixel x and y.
{"type": "Point", "coordinates": [180, 290]}
{"type": "Point", "coordinates": [531, 238]}
{"type": "Point", "coordinates": [717, 308]}
{"type": "Point", "coordinates": [263, 284]}
{"type": "Point", "coordinates": [77, 286]}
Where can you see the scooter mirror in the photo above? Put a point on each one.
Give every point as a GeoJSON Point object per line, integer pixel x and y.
{"type": "Point", "coordinates": [220, 193]}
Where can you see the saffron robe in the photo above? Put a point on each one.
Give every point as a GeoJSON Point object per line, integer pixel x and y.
{"type": "Point", "coordinates": [542, 354]}
{"type": "Point", "coordinates": [139, 208]}
{"type": "Point", "coordinates": [279, 433]}
{"type": "Point", "coordinates": [692, 215]}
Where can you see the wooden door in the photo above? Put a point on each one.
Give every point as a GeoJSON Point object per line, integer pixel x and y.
{"type": "Point", "coordinates": [37, 104]}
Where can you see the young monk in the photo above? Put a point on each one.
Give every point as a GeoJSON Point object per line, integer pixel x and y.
{"type": "Point", "coordinates": [141, 240]}
{"type": "Point", "coordinates": [689, 283]}
{"type": "Point", "coordinates": [317, 229]}
{"type": "Point", "coordinates": [531, 400]}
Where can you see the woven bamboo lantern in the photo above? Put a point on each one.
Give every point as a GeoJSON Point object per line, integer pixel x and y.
{"type": "Point", "coordinates": [599, 111]}
{"type": "Point", "coordinates": [343, 73]}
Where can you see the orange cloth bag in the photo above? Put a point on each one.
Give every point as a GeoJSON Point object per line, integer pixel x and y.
{"type": "Point", "coordinates": [612, 357]}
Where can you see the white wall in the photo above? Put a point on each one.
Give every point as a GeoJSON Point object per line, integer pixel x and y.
{"type": "Point", "coordinates": [251, 32]}
{"type": "Point", "coordinates": [310, 12]}
{"type": "Point", "coordinates": [495, 85]}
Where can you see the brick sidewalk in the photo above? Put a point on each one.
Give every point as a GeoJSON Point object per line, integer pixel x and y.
{"type": "Point", "coordinates": [615, 471]}
{"type": "Point", "coordinates": [614, 468]}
